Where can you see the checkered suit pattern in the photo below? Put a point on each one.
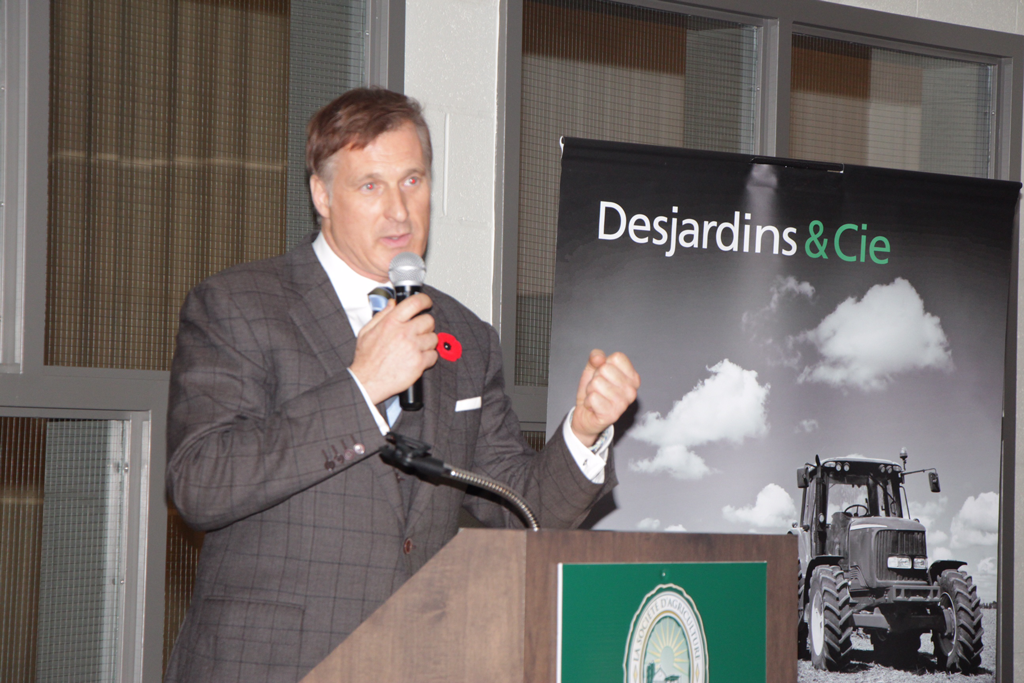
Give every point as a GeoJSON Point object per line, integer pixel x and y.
{"type": "Point", "coordinates": [269, 443]}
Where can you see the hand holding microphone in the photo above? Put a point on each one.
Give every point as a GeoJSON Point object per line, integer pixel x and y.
{"type": "Point", "coordinates": [407, 273]}
{"type": "Point", "coordinates": [398, 344]}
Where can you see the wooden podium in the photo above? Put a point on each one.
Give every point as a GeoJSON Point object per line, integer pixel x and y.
{"type": "Point", "coordinates": [484, 608]}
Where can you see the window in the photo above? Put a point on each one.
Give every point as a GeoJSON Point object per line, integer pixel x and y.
{"type": "Point", "coordinates": [64, 521]}
{"type": "Point", "coordinates": [147, 145]}
{"type": "Point", "coordinates": [860, 104]}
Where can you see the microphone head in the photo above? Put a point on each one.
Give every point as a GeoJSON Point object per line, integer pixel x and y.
{"type": "Point", "coordinates": [407, 270]}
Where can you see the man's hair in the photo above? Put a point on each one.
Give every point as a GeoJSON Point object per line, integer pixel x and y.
{"type": "Point", "coordinates": [356, 119]}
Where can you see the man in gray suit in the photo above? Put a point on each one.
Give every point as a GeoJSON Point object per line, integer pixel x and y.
{"type": "Point", "coordinates": [280, 385]}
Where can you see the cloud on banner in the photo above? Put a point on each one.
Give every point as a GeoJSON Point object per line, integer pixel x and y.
{"type": "Point", "coordinates": [773, 508]}
{"type": "Point", "coordinates": [727, 406]}
{"type": "Point", "coordinates": [864, 343]}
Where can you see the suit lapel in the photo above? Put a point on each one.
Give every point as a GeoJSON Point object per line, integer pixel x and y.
{"type": "Point", "coordinates": [318, 314]}
{"type": "Point", "coordinates": [439, 395]}
{"type": "Point", "coordinates": [320, 318]}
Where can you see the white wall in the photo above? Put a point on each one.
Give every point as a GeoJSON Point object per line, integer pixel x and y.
{"type": "Point", "coordinates": [997, 15]}
{"type": "Point", "coordinates": [451, 66]}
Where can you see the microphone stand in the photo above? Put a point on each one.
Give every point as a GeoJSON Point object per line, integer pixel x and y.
{"type": "Point", "coordinates": [414, 456]}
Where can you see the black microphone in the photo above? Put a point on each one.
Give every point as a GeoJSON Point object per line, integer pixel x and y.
{"type": "Point", "coordinates": [407, 272]}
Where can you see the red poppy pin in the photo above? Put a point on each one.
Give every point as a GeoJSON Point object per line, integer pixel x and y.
{"type": "Point", "coordinates": [448, 347]}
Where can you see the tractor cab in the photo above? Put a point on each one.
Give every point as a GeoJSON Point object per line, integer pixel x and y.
{"type": "Point", "coordinates": [838, 491]}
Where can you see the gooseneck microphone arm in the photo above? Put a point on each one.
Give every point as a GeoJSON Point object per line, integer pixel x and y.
{"type": "Point", "coordinates": [414, 456]}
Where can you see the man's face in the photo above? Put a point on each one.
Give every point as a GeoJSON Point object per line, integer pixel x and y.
{"type": "Point", "coordinates": [376, 202]}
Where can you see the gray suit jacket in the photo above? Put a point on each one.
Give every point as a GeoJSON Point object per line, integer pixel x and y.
{"type": "Point", "coordinates": [269, 443]}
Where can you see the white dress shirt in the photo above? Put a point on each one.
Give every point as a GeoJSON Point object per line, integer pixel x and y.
{"type": "Point", "coordinates": [353, 290]}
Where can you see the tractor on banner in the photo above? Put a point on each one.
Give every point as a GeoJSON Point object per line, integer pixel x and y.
{"type": "Point", "coordinates": [864, 564]}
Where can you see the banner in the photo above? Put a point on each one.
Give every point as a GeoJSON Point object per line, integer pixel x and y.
{"type": "Point", "coordinates": [785, 314]}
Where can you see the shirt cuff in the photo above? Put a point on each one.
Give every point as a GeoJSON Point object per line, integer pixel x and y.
{"type": "Point", "coordinates": [591, 461]}
{"type": "Point", "coordinates": [382, 424]}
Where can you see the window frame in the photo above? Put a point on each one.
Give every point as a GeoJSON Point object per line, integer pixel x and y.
{"type": "Point", "coordinates": [385, 44]}
{"type": "Point", "coordinates": [998, 159]}
{"type": "Point", "coordinates": [777, 21]}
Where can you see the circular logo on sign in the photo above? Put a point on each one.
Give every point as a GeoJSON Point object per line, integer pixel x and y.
{"type": "Point", "coordinates": [666, 640]}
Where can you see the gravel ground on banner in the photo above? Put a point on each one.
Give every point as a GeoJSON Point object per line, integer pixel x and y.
{"type": "Point", "coordinates": [865, 669]}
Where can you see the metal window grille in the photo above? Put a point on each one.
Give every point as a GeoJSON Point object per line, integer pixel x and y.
{"type": "Point", "coordinates": [328, 57]}
{"type": "Point", "coordinates": [860, 104]}
{"type": "Point", "coordinates": [62, 563]}
{"type": "Point", "coordinates": [611, 71]}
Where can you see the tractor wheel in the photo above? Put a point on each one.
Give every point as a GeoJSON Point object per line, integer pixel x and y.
{"type": "Point", "coordinates": [802, 646]}
{"type": "Point", "coordinates": [831, 624]}
{"type": "Point", "coordinates": [958, 647]}
{"type": "Point", "coordinates": [897, 649]}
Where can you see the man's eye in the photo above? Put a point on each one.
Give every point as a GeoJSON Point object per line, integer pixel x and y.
{"type": "Point", "coordinates": [370, 187]}
{"type": "Point", "coordinates": [413, 181]}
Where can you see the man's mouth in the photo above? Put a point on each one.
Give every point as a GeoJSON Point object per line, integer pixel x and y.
{"type": "Point", "coordinates": [397, 241]}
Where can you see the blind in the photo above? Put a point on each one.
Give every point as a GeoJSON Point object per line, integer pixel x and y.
{"type": "Point", "coordinates": [22, 460]}
{"type": "Point", "coordinates": [183, 546]}
{"type": "Point", "coordinates": [860, 104]}
{"type": "Point", "coordinates": [612, 71]}
{"type": "Point", "coordinates": [81, 574]}
{"type": "Point", "coordinates": [168, 154]}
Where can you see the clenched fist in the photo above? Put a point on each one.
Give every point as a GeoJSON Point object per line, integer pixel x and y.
{"type": "Point", "coordinates": [607, 387]}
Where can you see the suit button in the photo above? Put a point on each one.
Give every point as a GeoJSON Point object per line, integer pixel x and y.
{"type": "Point", "coordinates": [349, 454]}
{"type": "Point", "coordinates": [407, 546]}
{"type": "Point", "coordinates": [359, 449]}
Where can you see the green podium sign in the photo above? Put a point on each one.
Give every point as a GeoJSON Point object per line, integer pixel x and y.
{"type": "Point", "coordinates": [662, 623]}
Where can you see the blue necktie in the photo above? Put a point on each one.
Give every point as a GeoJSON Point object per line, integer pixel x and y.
{"type": "Point", "coordinates": [379, 297]}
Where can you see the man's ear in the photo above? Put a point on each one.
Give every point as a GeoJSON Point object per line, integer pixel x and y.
{"type": "Point", "coordinates": [321, 197]}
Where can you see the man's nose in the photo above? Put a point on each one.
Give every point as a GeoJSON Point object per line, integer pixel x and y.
{"type": "Point", "coordinates": [395, 205]}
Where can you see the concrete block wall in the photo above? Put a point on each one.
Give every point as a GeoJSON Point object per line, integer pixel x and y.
{"type": "Point", "coordinates": [996, 15]}
{"type": "Point", "coordinates": [451, 67]}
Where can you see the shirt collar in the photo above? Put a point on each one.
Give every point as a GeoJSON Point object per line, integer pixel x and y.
{"type": "Point", "coordinates": [351, 287]}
